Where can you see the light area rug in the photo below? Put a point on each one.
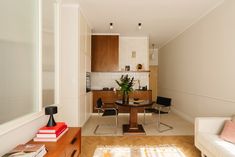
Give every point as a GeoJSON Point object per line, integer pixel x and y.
{"type": "Point", "coordinates": [138, 151]}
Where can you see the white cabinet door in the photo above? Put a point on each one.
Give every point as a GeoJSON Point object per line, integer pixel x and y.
{"type": "Point", "coordinates": [88, 105]}
{"type": "Point", "coordinates": [83, 34]}
{"type": "Point", "coordinates": [82, 76]}
{"type": "Point", "coordinates": [88, 49]}
{"type": "Point", "coordinates": [88, 63]}
{"type": "Point", "coordinates": [91, 103]}
{"type": "Point", "coordinates": [82, 113]}
{"type": "Point", "coordinates": [88, 41]}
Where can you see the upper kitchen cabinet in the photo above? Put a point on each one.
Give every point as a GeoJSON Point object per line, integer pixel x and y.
{"type": "Point", "coordinates": [104, 53]}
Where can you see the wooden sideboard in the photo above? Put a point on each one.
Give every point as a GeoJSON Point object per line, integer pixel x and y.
{"type": "Point", "coordinates": [109, 98]}
{"type": "Point", "coordinates": [69, 145]}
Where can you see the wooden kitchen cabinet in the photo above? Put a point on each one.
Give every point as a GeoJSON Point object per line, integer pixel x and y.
{"type": "Point", "coordinates": [143, 95]}
{"type": "Point", "coordinates": [104, 53]}
{"type": "Point", "coordinates": [109, 98]}
{"type": "Point", "coordinates": [69, 145]}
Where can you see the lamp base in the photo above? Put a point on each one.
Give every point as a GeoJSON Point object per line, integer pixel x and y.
{"type": "Point", "coordinates": [51, 121]}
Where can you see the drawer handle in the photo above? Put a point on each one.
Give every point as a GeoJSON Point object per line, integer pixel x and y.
{"type": "Point", "coordinates": [73, 141]}
{"type": "Point", "coordinates": [73, 153]}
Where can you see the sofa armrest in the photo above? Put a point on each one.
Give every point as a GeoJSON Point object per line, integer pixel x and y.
{"type": "Point", "coordinates": [210, 124]}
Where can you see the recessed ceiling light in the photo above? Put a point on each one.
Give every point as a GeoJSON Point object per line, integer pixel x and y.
{"type": "Point", "coordinates": [111, 25]}
{"type": "Point", "coordinates": [139, 25]}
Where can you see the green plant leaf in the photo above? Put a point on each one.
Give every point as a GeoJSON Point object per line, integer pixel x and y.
{"type": "Point", "coordinates": [126, 83]}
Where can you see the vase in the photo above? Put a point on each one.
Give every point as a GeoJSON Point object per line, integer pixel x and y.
{"type": "Point", "coordinates": [125, 97]}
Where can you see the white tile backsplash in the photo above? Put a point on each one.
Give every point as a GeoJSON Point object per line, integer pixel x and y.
{"type": "Point", "coordinates": [107, 79]}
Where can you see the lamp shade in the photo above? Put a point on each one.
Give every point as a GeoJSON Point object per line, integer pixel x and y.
{"type": "Point", "coordinates": [51, 110]}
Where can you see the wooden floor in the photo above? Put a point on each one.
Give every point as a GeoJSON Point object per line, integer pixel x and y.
{"type": "Point", "coordinates": [185, 143]}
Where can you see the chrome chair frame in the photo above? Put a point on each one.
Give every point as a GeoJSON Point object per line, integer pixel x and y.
{"type": "Point", "coordinates": [159, 109]}
{"type": "Point", "coordinates": [103, 110]}
{"type": "Point", "coordinates": [159, 123]}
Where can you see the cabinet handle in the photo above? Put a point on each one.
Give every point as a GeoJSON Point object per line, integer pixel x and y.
{"type": "Point", "coordinates": [73, 140]}
{"type": "Point", "coordinates": [74, 152]}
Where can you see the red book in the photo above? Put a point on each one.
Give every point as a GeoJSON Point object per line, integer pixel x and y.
{"type": "Point", "coordinates": [50, 135]}
{"type": "Point", "coordinates": [36, 139]}
{"type": "Point", "coordinates": [54, 129]}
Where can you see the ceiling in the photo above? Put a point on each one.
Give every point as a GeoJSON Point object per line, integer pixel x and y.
{"type": "Point", "coordinates": [161, 20]}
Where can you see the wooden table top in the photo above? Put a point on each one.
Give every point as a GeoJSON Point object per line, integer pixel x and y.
{"type": "Point", "coordinates": [138, 103]}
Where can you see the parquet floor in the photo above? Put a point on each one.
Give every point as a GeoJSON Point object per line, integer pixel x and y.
{"type": "Point", "coordinates": [185, 143]}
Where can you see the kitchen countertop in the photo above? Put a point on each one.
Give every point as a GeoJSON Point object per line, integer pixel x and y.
{"type": "Point", "coordinates": [118, 90]}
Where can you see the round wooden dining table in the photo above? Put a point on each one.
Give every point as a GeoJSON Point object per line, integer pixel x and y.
{"type": "Point", "coordinates": [133, 127]}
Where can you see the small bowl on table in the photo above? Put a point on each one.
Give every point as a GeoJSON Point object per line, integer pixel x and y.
{"type": "Point", "coordinates": [136, 99]}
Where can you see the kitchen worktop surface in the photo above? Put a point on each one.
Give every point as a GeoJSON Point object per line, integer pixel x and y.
{"type": "Point", "coordinates": [136, 90]}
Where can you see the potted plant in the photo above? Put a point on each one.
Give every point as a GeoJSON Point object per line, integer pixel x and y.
{"type": "Point", "coordinates": [126, 86]}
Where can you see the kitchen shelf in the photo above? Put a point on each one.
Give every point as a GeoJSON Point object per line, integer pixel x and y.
{"type": "Point", "coordinates": [142, 71]}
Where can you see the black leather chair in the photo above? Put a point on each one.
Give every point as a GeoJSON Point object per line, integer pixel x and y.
{"type": "Point", "coordinates": [162, 106]}
{"type": "Point", "coordinates": [104, 112]}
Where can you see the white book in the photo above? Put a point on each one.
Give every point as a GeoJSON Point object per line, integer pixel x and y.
{"type": "Point", "coordinates": [42, 153]}
{"type": "Point", "coordinates": [26, 150]}
{"type": "Point", "coordinates": [46, 135]}
{"type": "Point", "coordinates": [40, 135]}
{"type": "Point", "coordinates": [37, 139]}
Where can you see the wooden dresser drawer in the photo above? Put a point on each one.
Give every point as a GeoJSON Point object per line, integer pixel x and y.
{"type": "Point", "coordinates": [68, 146]}
{"type": "Point", "coordinates": [73, 149]}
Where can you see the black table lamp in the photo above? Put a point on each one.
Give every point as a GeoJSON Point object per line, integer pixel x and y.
{"type": "Point", "coordinates": [50, 111]}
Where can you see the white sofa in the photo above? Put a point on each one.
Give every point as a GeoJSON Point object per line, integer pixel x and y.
{"type": "Point", "coordinates": [207, 139]}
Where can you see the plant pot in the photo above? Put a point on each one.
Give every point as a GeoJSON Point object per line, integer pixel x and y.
{"type": "Point", "coordinates": [125, 98]}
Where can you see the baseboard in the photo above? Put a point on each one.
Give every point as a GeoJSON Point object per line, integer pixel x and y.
{"type": "Point", "coordinates": [183, 115]}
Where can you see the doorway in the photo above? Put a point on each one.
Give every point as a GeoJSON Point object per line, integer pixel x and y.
{"type": "Point", "coordinates": [153, 80]}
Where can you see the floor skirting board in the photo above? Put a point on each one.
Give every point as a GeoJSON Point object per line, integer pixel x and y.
{"type": "Point", "coordinates": [183, 115]}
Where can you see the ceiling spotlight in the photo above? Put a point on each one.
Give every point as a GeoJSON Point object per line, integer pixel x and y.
{"type": "Point", "coordinates": [139, 25]}
{"type": "Point", "coordinates": [111, 25]}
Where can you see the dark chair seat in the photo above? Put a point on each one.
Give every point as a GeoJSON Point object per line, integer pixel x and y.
{"type": "Point", "coordinates": [106, 112]}
{"type": "Point", "coordinates": [153, 110]}
{"type": "Point", "coordinates": [109, 112]}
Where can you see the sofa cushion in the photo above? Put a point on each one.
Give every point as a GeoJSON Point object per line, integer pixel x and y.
{"type": "Point", "coordinates": [233, 118]}
{"type": "Point", "coordinates": [217, 146]}
{"type": "Point", "coordinates": [228, 132]}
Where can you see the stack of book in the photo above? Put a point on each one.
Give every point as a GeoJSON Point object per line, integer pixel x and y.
{"type": "Point", "coordinates": [51, 134]}
{"type": "Point", "coordinates": [27, 150]}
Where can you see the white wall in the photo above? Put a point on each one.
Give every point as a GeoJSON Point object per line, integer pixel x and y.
{"type": "Point", "coordinates": [140, 46]}
{"type": "Point", "coordinates": [69, 65]}
{"type": "Point", "coordinates": [22, 134]}
{"type": "Point", "coordinates": [75, 49]}
{"type": "Point", "coordinates": [197, 68]}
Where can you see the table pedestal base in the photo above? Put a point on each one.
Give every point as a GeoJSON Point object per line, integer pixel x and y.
{"type": "Point", "coordinates": [133, 131]}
